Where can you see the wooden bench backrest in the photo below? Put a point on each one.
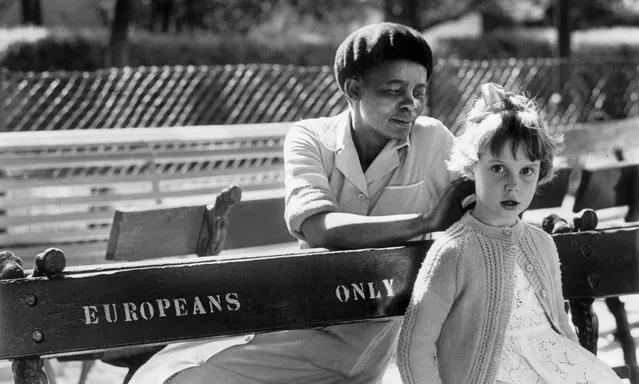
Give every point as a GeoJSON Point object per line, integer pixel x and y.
{"type": "Point", "coordinates": [158, 302]}
{"type": "Point", "coordinates": [202, 230]}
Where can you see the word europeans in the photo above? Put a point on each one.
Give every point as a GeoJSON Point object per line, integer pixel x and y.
{"type": "Point", "coordinates": [148, 310]}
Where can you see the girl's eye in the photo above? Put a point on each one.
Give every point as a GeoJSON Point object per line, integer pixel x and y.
{"type": "Point", "coordinates": [498, 168]}
{"type": "Point", "coordinates": [527, 171]}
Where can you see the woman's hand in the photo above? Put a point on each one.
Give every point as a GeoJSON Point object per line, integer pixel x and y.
{"type": "Point", "coordinates": [448, 208]}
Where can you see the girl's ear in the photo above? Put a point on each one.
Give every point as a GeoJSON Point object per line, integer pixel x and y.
{"type": "Point", "coordinates": [353, 89]}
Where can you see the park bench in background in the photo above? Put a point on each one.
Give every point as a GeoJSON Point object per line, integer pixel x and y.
{"type": "Point", "coordinates": [60, 311]}
{"type": "Point", "coordinates": [61, 188]}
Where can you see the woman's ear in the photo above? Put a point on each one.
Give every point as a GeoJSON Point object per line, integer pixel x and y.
{"type": "Point", "coordinates": [353, 89]}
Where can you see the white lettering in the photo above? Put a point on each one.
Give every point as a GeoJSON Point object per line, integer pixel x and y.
{"type": "Point", "coordinates": [129, 312]}
{"type": "Point", "coordinates": [149, 310]}
{"type": "Point", "coordinates": [233, 301]}
{"type": "Point", "coordinates": [388, 284]}
{"type": "Point", "coordinates": [215, 301]}
{"type": "Point", "coordinates": [90, 316]}
{"type": "Point", "coordinates": [371, 291]}
{"type": "Point", "coordinates": [198, 308]}
{"type": "Point", "coordinates": [146, 310]}
{"type": "Point", "coordinates": [110, 310]}
{"type": "Point", "coordinates": [342, 293]}
{"type": "Point", "coordinates": [163, 304]}
{"type": "Point", "coordinates": [358, 290]}
{"type": "Point", "coordinates": [180, 307]}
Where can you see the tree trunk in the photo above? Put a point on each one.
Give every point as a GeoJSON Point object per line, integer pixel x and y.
{"type": "Point", "coordinates": [31, 12]}
{"type": "Point", "coordinates": [405, 12]}
{"type": "Point", "coordinates": [562, 22]}
{"type": "Point", "coordinates": [3, 115]}
{"type": "Point", "coordinates": [167, 10]}
{"type": "Point", "coordinates": [117, 55]}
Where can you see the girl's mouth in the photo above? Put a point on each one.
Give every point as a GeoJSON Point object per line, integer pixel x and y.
{"type": "Point", "coordinates": [509, 204]}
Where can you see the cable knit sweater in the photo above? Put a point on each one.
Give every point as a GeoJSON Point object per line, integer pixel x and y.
{"type": "Point", "coordinates": [454, 327]}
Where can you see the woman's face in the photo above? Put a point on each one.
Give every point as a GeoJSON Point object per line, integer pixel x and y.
{"type": "Point", "coordinates": [392, 96]}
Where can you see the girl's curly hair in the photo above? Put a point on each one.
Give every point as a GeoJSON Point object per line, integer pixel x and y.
{"type": "Point", "coordinates": [497, 117]}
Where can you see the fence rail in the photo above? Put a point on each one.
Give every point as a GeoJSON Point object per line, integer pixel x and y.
{"type": "Point", "coordinates": [263, 93]}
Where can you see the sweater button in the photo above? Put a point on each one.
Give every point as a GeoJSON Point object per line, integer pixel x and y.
{"type": "Point", "coordinates": [529, 268]}
{"type": "Point", "coordinates": [513, 248]}
{"type": "Point", "coordinates": [507, 232]}
{"type": "Point", "coordinates": [543, 293]}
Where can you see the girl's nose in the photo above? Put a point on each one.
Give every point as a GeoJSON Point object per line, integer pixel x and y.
{"type": "Point", "coordinates": [512, 187]}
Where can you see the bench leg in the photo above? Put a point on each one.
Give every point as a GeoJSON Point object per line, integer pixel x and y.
{"type": "Point", "coordinates": [622, 334]}
{"type": "Point", "coordinates": [585, 320]}
{"type": "Point", "coordinates": [624, 337]}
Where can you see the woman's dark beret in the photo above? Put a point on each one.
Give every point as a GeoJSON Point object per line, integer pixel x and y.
{"type": "Point", "coordinates": [376, 43]}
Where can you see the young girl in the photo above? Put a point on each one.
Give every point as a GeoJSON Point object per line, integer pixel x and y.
{"type": "Point", "coordinates": [487, 306]}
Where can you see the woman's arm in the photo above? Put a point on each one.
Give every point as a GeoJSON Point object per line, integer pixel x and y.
{"type": "Point", "coordinates": [336, 230]}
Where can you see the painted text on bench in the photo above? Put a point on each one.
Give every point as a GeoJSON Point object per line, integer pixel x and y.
{"type": "Point", "coordinates": [369, 290]}
{"type": "Point", "coordinates": [159, 308]}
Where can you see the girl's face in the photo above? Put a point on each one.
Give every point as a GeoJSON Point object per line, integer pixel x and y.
{"type": "Point", "coordinates": [504, 185]}
{"type": "Point", "coordinates": [393, 95]}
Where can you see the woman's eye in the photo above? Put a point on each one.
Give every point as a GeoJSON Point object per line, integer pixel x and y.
{"type": "Point", "coordinates": [394, 91]}
{"type": "Point", "coordinates": [419, 95]}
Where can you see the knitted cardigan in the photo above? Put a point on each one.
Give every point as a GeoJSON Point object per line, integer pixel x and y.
{"type": "Point", "coordinates": [454, 327]}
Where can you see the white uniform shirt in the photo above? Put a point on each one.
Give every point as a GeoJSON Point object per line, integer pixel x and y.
{"type": "Point", "coordinates": [323, 172]}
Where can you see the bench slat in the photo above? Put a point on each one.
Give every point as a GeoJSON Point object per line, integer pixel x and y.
{"type": "Point", "coordinates": [39, 140]}
{"type": "Point", "coordinates": [205, 298]}
{"type": "Point", "coordinates": [110, 180]}
{"type": "Point", "coordinates": [51, 161]}
{"type": "Point", "coordinates": [139, 197]}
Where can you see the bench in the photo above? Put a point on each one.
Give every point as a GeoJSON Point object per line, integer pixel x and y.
{"type": "Point", "coordinates": [55, 311]}
{"type": "Point", "coordinates": [61, 188]}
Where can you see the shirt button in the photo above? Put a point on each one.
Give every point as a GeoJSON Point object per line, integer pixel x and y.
{"type": "Point", "coordinates": [361, 196]}
{"type": "Point", "coordinates": [543, 293]}
{"type": "Point", "coordinates": [529, 268]}
{"type": "Point", "coordinates": [513, 248]}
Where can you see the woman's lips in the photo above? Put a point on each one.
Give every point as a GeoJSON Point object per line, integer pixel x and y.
{"type": "Point", "coordinates": [402, 121]}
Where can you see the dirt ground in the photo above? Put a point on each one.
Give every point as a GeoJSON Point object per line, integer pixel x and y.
{"type": "Point", "coordinates": [101, 373]}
